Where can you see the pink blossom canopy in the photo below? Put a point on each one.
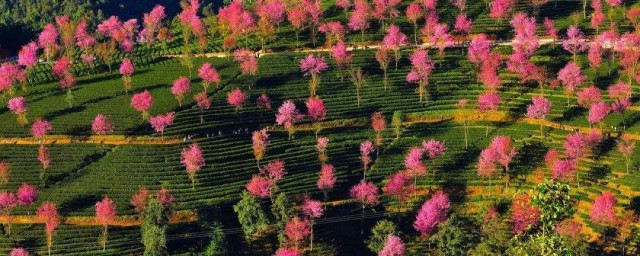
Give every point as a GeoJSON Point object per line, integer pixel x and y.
{"type": "Point", "coordinates": [142, 101]}
{"type": "Point", "coordinates": [17, 105]}
{"type": "Point", "coordinates": [288, 114]}
{"type": "Point", "coordinates": [192, 158]}
{"type": "Point", "coordinates": [312, 65]}
{"type": "Point", "coordinates": [365, 192]}
{"type": "Point", "coordinates": [126, 68]}
{"type": "Point", "coordinates": [105, 211]}
{"type": "Point", "coordinates": [101, 125]}
{"type": "Point", "coordinates": [433, 212]}
{"type": "Point", "coordinates": [40, 128]}
{"type": "Point", "coordinates": [160, 122]}
{"type": "Point", "coordinates": [603, 211]}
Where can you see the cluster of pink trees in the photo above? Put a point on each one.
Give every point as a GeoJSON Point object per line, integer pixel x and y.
{"type": "Point", "coordinates": [576, 147]}
{"type": "Point", "coordinates": [261, 185]}
{"type": "Point", "coordinates": [25, 196]}
{"type": "Point", "coordinates": [500, 153]}
{"type": "Point", "coordinates": [139, 199]}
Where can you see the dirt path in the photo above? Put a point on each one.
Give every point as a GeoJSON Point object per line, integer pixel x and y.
{"type": "Point", "coordinates": [120, 221]}
{"type": "Point", "coordinates": [106, 140]}
{"type": "Point", "coordinates": [368, 45]}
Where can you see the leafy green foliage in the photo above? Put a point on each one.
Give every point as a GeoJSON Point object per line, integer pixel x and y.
{"type": "Point", "coordinates": [251, 216]}
{"type": "Point", "coordinates": [217, 245]}
{"type": "Point", "coordinates": [155, 219]}
{"type": "Point", "coordinates": [379, 234]}
{"type": "Point", "coordinates": [555, 203]}
{"type": "Point", "coordinates": [456, 236]}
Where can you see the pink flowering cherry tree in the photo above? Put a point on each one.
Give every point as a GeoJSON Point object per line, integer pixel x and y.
{"type": "Point", "coordinates": [287, 116]}
{"type": "Point", "coordinates": [312, 66]}
{"type": "Point", "coordinates": [621, 94]}
{"type": "Point", "coordinates": [433, 212]}
{"type": "Point", "coordinates": [441, 39]}
{"type": "Point", "coordinates": [571, 76]}
{"type": "Point", "coordinates": [203, 102]}
{"type": "Point", "coordinates": [18, 252]}
{"type": "Point", "coordinates": [193, 160]}
{"type": "Point", "coordinates": [105, 215]}
{"type": "Point", "coordinates": [8, 202]}
{"type": "Point", "coordinates": [160, 122]}
{"type": "Point", "coordinates": [18, 106]}
{"type": "Point", "coordinates": [524, 214]}
{"type": "Point", "coordinates": [366, 193]}
{"type": "Point", "coordinates": [126, 70]}
{"type": "Point", "coordinates": [383, 58]}
{"type": "Point", "coordinates": [341, 57]}
{"type": "Point", "coordinates": [575, 42]}
{"type": "Point", "coordinates": [414, 13]}
{"type": "Point", "coordinates": [101, 125]}
{"type": "Point", "coordinates": [180, 88]}
{"type": "Point", "coordinates": [359, 19]}
{"type": "Point", "coordinates": [487, 103]}
{"type": "Point", "coordinates": [209, 75]}
{"type": "Point", "coordinates": [366, 148]}
{"type": "Point", "coordinates": [142, 102]}
{"type": "Point", "coordinates": [626, 146]}
{"type": "Point", "coordinates": [317, 111]}
{"type": "Point", "coordinates": [501, 152]}
{"type": "Point", "coordinates": [263, 102]}
{"type": "Point", "coordinates": [603, 211]}
{"type": "Point", "coordinates": [539, 109]}
{"type": "Point", "coordinates": [236, 98]}
{"type": "Point", "coordinates": [463, 24]}
{"type": "Point", "coordinates": [421, 68]}
{"type": "Point", "coordinates": [40, 128]}
{"type": "Point", "coordinates": [598, 112]}
{"type": "Point", "coordinates": [321, 147]}
{"type": "Point", "coordinates": [563, 169]}
{"type": "Point", "coordinates": [248, 64]}
{"type": "Point", "coordinates": [27, 195]}
{"type": "Point", "coordinates": [378, 124]}
{"type": "Point", "coordinates": [399, 185]}
{"type": "Point", "coordinates": [413, 164]}
{"type": "Point", "coordinates": [259, 186]}
{"type": "Point", "coordinates": [394, 40]}
{"type": "Point", "coordinates": [326, 179]}
{"type": "Point", "coordinates": [393, 246]}
{"type": "Point", "coordinates": [28, 58]}
{"type": "Point", "coordinates": [296, 230]}
{"type": "Point", "coordinates": [313, 210]}
{"type": "Point", "coordinates": [434, 149]}
{"type": "Point", "coordinates": [48, 214]}
{"type": "Point", "coordinates": [260, 141]}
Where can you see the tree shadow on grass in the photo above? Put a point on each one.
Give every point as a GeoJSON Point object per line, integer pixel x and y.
{"type": "Point", "coordinates": [79, 203]}
{"type": "Point", "coordinates": [52, 115]}
{"type": "Point", "coordinates": [529, 156]}
{"type": "Point", "coordinates": [570, 114]}
{"type": "Point", "coordinates": [634, 205]}
{"type": "Point", "coordinates": [605, 146]}
{"type": "Point", "coordinates": [597, 173]}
